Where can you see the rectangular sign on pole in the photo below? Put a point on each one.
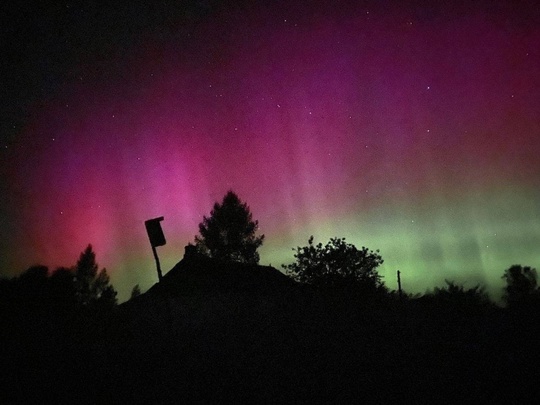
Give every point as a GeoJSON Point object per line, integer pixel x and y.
{"type": "Point", "coordinates": [155, 233]}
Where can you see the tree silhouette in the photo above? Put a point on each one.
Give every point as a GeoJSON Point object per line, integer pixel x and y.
{"type": "Point", "coordinates": [62, 287]}
{"type": "Point", "coordinates": [336, 264]}
{"type": "Point", "coordinates": [135, 292]}
{"type": "Point", "coordinates": [229, 232]}
{"type": "Point", "coordinates": [521, 286]}
{"type": "Point", "coordinates": [92, 287]}
{"type": "Point", "coordinates": [31, 286]}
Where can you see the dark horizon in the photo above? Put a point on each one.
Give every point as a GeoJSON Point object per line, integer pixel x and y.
{"type": "Point", "coordinates": [218, 331]}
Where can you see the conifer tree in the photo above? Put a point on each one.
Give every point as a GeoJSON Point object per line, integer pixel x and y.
{"type": "Point", "coordinates": [229, 232]}
{"type": "Point", "coordinates": [92, 287]}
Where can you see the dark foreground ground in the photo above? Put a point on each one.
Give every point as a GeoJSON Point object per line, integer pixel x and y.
{"type": "Point", "coordinates": [216, 332]}
{"type": "Point", "coordinates": [257, 349]}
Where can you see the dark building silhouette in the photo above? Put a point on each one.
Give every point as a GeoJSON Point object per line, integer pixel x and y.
{"type": "Point", "coordinates": [197, 273]}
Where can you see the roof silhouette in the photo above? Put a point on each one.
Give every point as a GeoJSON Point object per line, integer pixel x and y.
{"type": "Point", "coordinates": [199, 274]}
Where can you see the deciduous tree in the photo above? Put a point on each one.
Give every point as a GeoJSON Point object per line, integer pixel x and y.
{"type": "Point", "coordinates": [336, 264]}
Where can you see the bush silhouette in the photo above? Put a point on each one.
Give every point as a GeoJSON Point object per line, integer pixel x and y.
{"type": "Point", "coordinates": [458, 299]}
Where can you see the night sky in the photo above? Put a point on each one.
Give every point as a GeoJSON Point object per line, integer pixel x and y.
{"type": "Point", "coordinates": [407, 128]}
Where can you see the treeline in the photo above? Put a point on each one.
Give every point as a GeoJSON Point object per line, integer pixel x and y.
{"type": "Point", "coordinates": [337, 270]}
{"type": "Point", "coordinates": [82, 286]}
{"type": "Point", "coordinates": [341, 270]}
{"type": "Point", "coordinates": [343, 273]}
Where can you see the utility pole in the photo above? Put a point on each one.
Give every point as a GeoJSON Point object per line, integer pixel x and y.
{"type": "Point", "coordinates": [155, 234]}
{"type": "Point", "coordinates": [399, 284]}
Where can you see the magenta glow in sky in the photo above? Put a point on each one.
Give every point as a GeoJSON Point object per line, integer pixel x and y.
{"type": "Point", "coordinates": [416, 134]}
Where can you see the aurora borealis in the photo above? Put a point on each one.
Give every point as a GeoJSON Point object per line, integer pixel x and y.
{"type": "Point", "coordinates": [410, 129]}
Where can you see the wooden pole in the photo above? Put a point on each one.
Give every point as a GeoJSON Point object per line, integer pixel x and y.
{"type": "Point", "coordinates": [399, 284]}
{"type": "Point", "coordinates": [160, 276]}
